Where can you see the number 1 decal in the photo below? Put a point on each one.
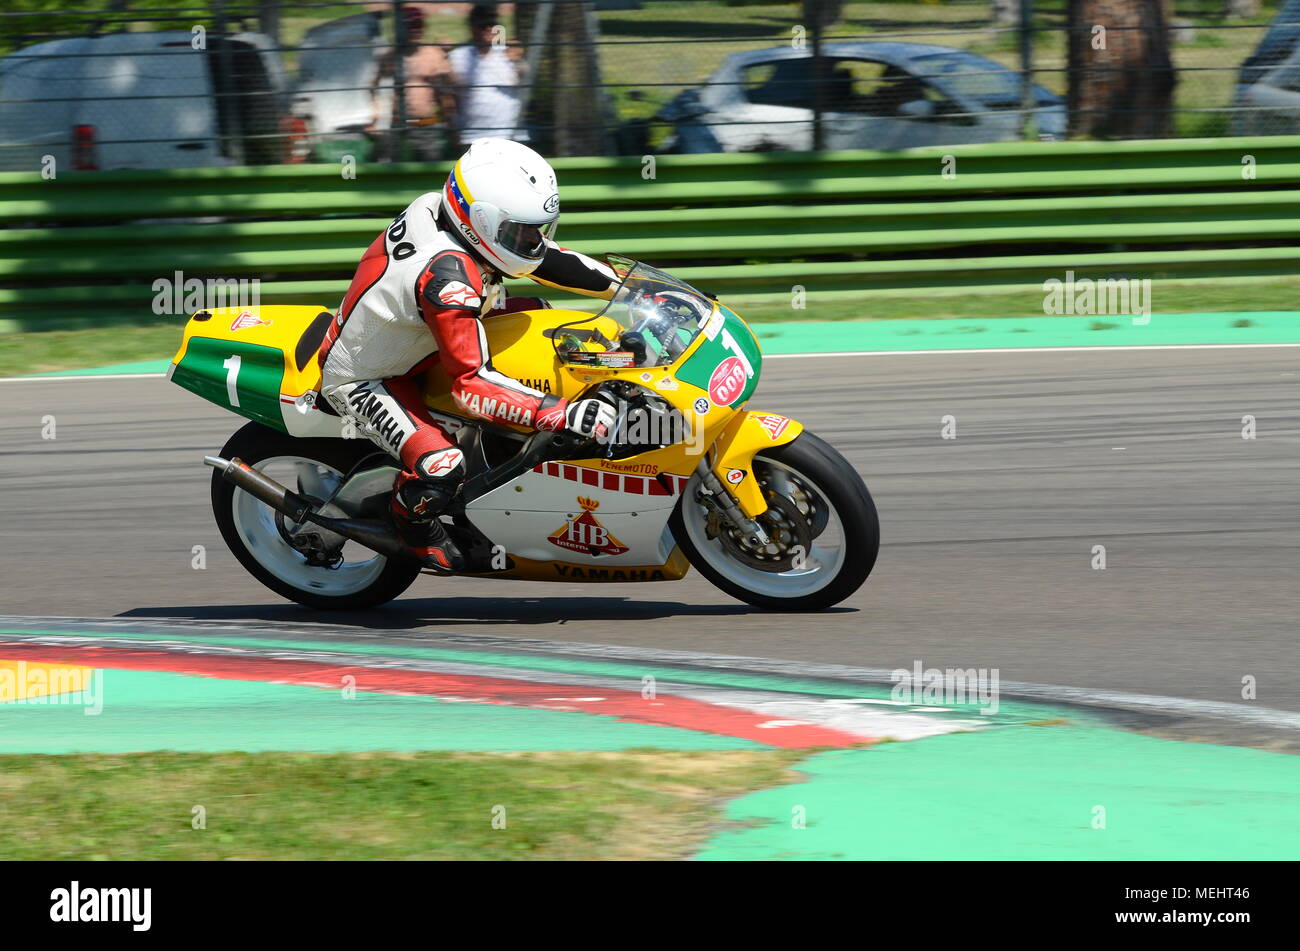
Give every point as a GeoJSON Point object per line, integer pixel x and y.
{"type": "Point", "coordinates": [232, 374]}
{"type": "Point", "coordinates": [729, 343]}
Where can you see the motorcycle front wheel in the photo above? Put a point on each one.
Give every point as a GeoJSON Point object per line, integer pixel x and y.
{"type": "Point", "coordinates": [823, 529]}
{"type": "Point", "coordinates": [257, 534]}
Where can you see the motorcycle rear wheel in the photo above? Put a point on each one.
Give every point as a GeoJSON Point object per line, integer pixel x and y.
{"type": "Point", "coordinates": [253, 532]}
{"type": "Point", "coordinates": [817, 503]}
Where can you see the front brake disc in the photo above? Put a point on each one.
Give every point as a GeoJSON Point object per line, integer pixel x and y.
{"type": "Point", "coordinates": [789, 533]}
{"type": "Point", "coordinates": [813, 508]}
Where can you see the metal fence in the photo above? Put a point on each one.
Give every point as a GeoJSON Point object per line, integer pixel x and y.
{"type": "Point", "coordinates": [191, 83]}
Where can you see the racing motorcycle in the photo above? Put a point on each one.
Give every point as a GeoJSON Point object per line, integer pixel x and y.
{"type": "Point", "coordinates": [761, 507]}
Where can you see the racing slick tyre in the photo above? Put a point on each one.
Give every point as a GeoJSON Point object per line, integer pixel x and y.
{"type": "Point", "coordinates": [257, 535]}
{"type": "Point", "coordinates": [822, 525]}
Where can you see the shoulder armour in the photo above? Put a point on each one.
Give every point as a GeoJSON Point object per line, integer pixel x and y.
{"type": "Point", "coordinates": [451, 281]}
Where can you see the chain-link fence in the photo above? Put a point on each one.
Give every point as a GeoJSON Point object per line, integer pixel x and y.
{"type": "Point", "coordinates": [149, 84]}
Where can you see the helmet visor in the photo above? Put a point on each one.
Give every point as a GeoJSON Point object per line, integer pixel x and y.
{"type": "Point", "coordinates": [523, 239]}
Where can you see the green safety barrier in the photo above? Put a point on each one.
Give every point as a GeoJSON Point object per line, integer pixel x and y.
{"type": "Point", "coordinates": [85, 248]}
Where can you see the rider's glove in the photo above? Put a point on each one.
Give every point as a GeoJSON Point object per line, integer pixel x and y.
{"type": "Point", "coordinates": [593, 419]}
{"type": "Point", "coordinates": [590, 418]}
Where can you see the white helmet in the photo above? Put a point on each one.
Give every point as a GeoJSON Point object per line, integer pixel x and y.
{"type": "Point", "coordinates": [501, 197]}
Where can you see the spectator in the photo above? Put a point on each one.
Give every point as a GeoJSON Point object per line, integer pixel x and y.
{"type": "Point", "coordinates": [430, 102]}
{"type": "Point", "coordinates": [488, 72]}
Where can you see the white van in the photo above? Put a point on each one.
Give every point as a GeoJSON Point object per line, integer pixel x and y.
{"type": "Point", "coordinates": [142, 100]}
{"type": "Point", "coordinates": [338, 62]}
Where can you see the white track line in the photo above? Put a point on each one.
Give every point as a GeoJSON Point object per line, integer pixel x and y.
{"type": "Point", "coordinates": [84, 376]}
{"type": "Point", "coordinates": [1010, 689]}
{"type": "Point", "coordinates": [931, 353]}
{"type": "Point", "coordinates": [796, 356]}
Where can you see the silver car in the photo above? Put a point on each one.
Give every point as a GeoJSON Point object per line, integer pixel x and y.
{"type": "Point", "coordinates": [873, 95]}
{"type": "Point", "coordinates": [1270, 105]}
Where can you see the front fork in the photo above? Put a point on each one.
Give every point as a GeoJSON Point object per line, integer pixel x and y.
{"type": "Point", "coordinates": [723, 502]}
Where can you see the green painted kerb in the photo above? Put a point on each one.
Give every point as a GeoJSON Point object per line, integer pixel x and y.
{"type": "Point", "coordinates": [1045, 792]}
{"type": "Point", "coordinates": [1159, 330]}
{"type": "Point", "coordinates": [150, 710]}
{"type": "Point", "coordinates": [136, 366]}
{"type": "Point", "coordinates": [1008, 712]}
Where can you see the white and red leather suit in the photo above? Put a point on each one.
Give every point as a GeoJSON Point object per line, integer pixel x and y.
{"type": "Point", "coordinates": [419, 298]}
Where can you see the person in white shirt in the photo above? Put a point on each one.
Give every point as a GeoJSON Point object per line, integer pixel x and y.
{"type": "Point", "coordinates": [487, 73]}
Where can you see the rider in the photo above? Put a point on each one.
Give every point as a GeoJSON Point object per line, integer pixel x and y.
{"type": "Point", "coordinates": [418, 299]}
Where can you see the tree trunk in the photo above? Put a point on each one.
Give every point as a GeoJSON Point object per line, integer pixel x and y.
{"type": "Point", "coordinates": [525, 16]}
{"type": "Point", "coordinates": [567, 104]}
{"type": "Point", "coordinates": [268, 19]}
{"type": "Point", "coordinates": [1121, 76]}
{"type": "Point", "coordinates": [823, 13]}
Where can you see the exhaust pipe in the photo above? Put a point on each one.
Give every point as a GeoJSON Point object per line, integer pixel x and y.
{"type": "Point", "coordinates": [290, 504]}
{"type": "Point", "coordinates": [371, 533]}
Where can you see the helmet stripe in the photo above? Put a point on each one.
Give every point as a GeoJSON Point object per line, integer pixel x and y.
{"type": "Point", "coordinates": [458, 206]}
{"type": "Point", "coordinates": [460, 182]}
{"type": "Point", "coordinates": [457, 195]}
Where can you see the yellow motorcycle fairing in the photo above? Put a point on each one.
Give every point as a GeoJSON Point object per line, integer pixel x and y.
{"type": "Point", "coordinates": [259, 362]}
{"type": "Point", "coordinates": [277, 378]}
{"type": "Point", "coordinates": [732, 457]}
{"type": "Point", "coordinates": [522, 350]}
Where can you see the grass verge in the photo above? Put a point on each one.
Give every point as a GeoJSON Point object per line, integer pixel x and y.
{"type": "Point", "coordinates": [640, 804]}
{"type": "Point", "coordinates": [22, 354]}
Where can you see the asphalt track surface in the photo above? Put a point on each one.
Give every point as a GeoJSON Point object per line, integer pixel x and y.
{"type": "Point", "coordinates": [988, 538]}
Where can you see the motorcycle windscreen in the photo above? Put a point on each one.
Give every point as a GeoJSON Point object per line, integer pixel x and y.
{"type": "Point", "coordinates": [658, 318]}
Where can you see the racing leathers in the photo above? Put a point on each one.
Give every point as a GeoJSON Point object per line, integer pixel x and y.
{"type": "Point", "coordinates": [418, 298]}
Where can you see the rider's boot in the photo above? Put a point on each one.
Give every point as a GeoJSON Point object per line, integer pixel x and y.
{"type": "Point", "coordinates": [417, 502]}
